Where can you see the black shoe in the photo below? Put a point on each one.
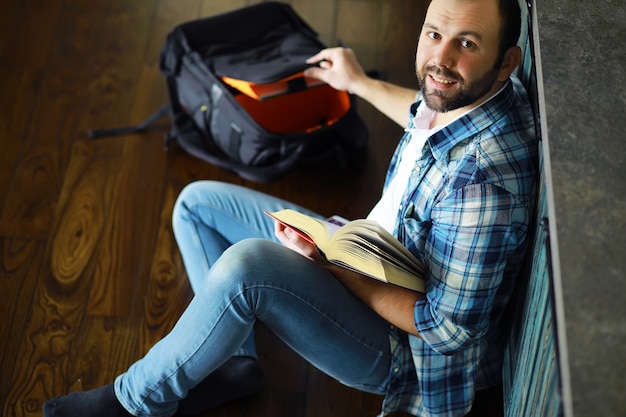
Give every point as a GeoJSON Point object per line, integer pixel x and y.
{"type": "Point", "coordinates": [239, 377]}
{"type": "Point", "coordinates": [100, 402]}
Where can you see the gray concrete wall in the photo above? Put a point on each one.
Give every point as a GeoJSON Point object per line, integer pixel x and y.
{"type": "Point", "coordinates": [583, 55]}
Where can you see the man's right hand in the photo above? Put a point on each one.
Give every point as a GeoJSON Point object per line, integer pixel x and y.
{"type": "Point", "coordinates": [339, 68]}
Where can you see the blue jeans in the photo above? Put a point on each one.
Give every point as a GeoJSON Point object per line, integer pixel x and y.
{"type": "Point", "coordinates": [240, 274]}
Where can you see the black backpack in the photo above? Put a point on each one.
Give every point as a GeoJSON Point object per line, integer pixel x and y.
{"type": "Point", "coordinates": [238, 99]}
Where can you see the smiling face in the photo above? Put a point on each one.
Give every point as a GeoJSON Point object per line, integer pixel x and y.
{"type": "Point", "coordinates": [457, 53]}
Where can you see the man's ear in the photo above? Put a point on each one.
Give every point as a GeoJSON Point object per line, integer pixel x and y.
{"type": "Point", "coordinates": [512, 58]}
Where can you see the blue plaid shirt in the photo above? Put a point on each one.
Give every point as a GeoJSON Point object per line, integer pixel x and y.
{"type": "Point", "coordinates": [465, 214]}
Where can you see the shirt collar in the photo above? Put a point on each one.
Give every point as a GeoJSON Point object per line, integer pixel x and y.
{"type": "Point", "coordinates": [443, 139]}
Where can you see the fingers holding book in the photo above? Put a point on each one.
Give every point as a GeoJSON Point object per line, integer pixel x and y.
{"type": "Point", "coordinates": [295, 241]}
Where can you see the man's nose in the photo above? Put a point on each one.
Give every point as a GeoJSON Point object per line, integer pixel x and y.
{"type": "Point", "coordinates": [445, 55]}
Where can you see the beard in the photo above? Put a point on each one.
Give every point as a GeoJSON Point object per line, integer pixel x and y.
{"type": "Point", "coordinates": [465, 94]}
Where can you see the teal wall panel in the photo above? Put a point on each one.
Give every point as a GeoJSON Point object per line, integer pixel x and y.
{"type": "Point", "coordinates": [531, 377]}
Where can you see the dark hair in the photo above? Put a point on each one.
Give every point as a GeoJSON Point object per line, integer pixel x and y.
{"type": "Point", "coordinates": [511, 15]}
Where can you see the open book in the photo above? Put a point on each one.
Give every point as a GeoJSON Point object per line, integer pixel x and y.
{"type": "Point", "coordinates": [360, 245]}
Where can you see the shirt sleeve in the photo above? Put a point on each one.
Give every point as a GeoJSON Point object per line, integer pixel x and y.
{"type": "Point", "coordinates": [473, 234]}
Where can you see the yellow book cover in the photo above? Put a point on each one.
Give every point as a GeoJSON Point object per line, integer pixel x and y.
{"type": "Point", "coordinates": [265, 91]}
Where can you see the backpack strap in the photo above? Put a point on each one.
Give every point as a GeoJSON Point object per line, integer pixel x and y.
{"type": "Point", "coordinates": [141, 127]}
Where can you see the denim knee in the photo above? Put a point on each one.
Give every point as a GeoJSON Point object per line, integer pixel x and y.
{"type": "Point", "coordinates": [180, 210]}
{"type": "Point", "coordinates": [245, 261]}
{"type": "Point", "coordinates": [241, 275]}
{"type": "Point", "coordinates": [188, 194]}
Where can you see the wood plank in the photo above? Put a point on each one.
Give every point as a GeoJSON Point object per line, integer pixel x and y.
{"type": "Point", "coordinates": [20, 88]}
{"type": "Point", "coordinates": [102, 349]}
{"type": "Point", "coordinates": [213, 7]}
{"type": "Point", "coordinates": [72, 98]}
{"type": "Point", "coordinates": [19, 276]}
{"type": "Point", "coordinates": [331, 399]}
{"type": "Point", "coordinates": [113, 79]}
{"type": "Point", "coordinates": [133, 227]}
{"type": "Point", "coordinates": [130, 232]}
{"type": "Point", "coordinates": [169, 14]}
{"type": "Point", "coordinates": [27, 42]}
{"type": "Point", "coordinates": [63, 350]}
{"type": "Point", "coordinates": [358, 26]}
{"type": "Point", "coordinates": [84, 211]}
{"type": "Point", "coordinates": [168, 290]}
{"type": "Point", "coordinates": [29, 214]}
{"type": "Point", "coordinates": [9, 9]}
{"type": "Point", "coordinates": [285, 376]}
{"type": "Point", "coordinates": [401, 24]}
{"type": "Point", "coordinates": [44, 347]}
{"type": "Point", "coordinates": [91, 351]}
{"type": "Point", "coordinates": [84, 205]}
{"type": "Point", "coordinates": [321, 16]}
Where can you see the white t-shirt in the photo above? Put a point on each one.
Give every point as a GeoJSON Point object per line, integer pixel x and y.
{"type": "Point", "coordinates": [386, 210]}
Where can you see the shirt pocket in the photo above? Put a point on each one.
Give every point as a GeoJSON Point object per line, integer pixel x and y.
{"type": "Point", "coordinates": [416, 231]}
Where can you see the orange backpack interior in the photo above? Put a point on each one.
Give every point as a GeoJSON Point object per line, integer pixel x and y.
{"type": "Point", "coordinates": [278, 108]}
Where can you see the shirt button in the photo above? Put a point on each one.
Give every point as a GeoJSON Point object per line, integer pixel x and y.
{"type": "Point", "coordinates": [396, 370]}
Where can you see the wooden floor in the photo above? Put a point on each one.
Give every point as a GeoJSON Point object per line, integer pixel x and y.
{"type": "Point", "coordinates": [90, 276]}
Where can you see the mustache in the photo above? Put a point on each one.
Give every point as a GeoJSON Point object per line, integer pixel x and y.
{"type": "Point", "coordinates": [443, 72]}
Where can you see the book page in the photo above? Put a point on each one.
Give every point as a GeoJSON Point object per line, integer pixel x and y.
{"type": "Point", "coordinates": [379, 260]}
{"type": "Point", "coordinates": [383, 242]}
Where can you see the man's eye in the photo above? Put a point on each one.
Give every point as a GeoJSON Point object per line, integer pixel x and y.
{"type": "Point", "coordinates": [467, 44]}
{"type": "Point", "coordinates": [433, 35]}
